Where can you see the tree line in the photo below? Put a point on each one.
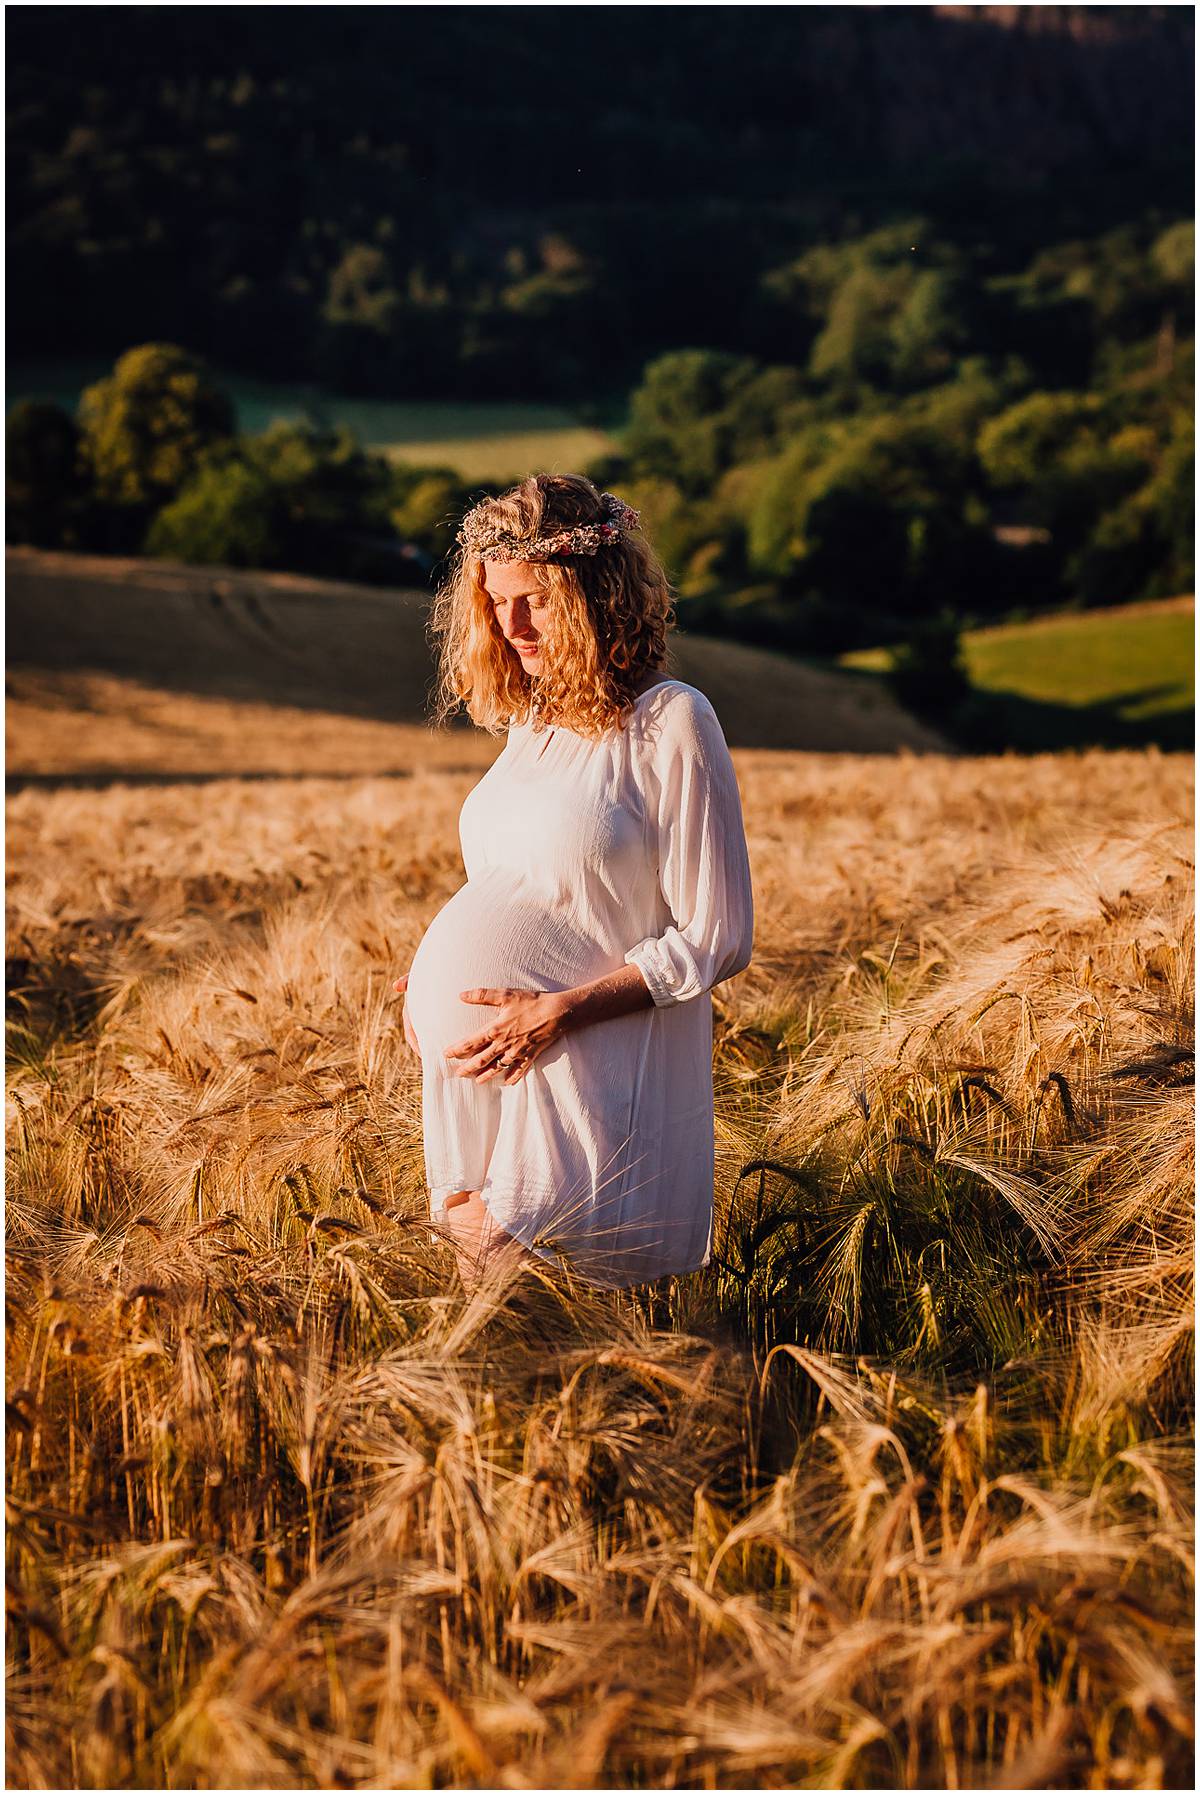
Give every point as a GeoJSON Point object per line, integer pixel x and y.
{"type": "Point", "coordinates": [519, 203]}
{"type": "Point", "coordinates": [888, 470]}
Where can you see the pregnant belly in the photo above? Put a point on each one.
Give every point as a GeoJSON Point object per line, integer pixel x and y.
{"type": "Point", "coordinates": [489, 934]}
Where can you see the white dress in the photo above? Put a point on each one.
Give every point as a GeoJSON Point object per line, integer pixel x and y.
{"type": "Point", "coordinates": [582, 855]}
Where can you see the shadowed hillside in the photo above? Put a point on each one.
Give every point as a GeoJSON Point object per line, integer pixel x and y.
{"type": "Point", "coordinates": [196, 670]}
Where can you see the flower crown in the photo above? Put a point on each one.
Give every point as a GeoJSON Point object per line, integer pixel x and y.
{"type": "Point", "coordinates": [480, 537]}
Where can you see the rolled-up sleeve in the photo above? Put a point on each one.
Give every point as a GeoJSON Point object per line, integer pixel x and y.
{"type": "Point", "coordinates": [703, 864]}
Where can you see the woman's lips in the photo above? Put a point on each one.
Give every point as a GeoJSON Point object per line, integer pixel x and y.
{"type": "Point", "coordinates": [526, 647]}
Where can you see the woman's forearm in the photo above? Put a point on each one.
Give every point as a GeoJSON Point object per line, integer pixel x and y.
{"type": "Point", "coordinates": [612, 994]}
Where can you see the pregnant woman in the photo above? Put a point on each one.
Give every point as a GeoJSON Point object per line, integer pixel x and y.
{"type": "Point", "coordinates": [559, 1001]}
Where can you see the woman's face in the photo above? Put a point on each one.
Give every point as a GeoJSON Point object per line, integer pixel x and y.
{"type": "Point", "coordinates": [521, 608]}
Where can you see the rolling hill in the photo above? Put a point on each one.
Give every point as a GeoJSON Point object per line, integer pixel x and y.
{"type": "Point", "coordinates": [134, 667]}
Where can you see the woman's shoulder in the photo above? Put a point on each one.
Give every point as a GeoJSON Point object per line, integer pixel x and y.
{"type": "Point", "coordinates": [672, 694]}
{"type": "Point", "coordinates": [672, 711]}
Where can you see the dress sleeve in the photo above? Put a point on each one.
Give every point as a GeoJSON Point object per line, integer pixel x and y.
{"type": "Point", "coordinates": [703, 866]}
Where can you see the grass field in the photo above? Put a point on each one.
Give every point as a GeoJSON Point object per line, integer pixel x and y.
{"type": "Point", "coordinates": [896, 1493]}
{"type": "Point", "coordinates": [480, 441]}
{"type": "Point", "coordinates": [1083, 678]}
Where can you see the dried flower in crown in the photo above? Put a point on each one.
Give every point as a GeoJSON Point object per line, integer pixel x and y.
{"type": "Point", "coordinates": [480, 537]}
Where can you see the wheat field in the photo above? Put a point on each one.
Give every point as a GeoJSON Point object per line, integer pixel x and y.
{"type": "Point", "coordinates": [895, 1494]}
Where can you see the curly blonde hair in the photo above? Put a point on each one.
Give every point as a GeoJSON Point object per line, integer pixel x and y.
{"type": "Point", "coordinates": [612, 612]}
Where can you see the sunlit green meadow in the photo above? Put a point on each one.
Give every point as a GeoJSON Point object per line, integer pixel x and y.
{"type": "Point", "coordinates": [1082, 677]}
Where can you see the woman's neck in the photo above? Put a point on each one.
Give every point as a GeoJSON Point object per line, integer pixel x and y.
{"type": "Point", "coordinates": [654, 677]}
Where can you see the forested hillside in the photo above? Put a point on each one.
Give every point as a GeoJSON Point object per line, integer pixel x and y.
{"type": "Point", "coordinates": [521, 200]}
{"type": "Point", "coordinates": [890, 309]}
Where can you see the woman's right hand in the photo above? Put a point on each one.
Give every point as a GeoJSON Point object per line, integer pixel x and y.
{"type": "Point", "coordinates": [401, 985]}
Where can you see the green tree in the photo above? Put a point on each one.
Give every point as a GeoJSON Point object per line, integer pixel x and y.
{"type": "Point", "coordinates": [1023, 445]}
{"type": "Point", "coordinates": [1061, 459]}
{"type": "Point", "coordinates": [429, 504]}
{"type": "Point", "coordinates": [777, 501]}
{"type": "Point", "coordinates": [361, 292]}
{"type": "Point", "coordinates": [228, 514]}
{"type": "Point", "coordinates": [329, 491]}
{"type": "Point", "coordinates": [928, 673]}
{"type": "Point", "coordinates": [1144, 546]}
{"type": "Point", "coordinates": [856, 342]}
{"type": "Point", "coordinates": [1173, 254]}
{"type": "Point", "coordinates": [876, 515]}
{"type": "Point", "coordinates": [1172, 498]}
{"type": "Point", "coordinates": [148, 423]}
{"type": "Point", "coordinates": [880, 310]}
{"type": "Point", "coordinates": [699, 412]}
{"type": "Point", "coordinates": [700, 541]}
{"type": "Point", "coordinates": [302, 497]}
{"type": "Point", "coordinates": [929, 329]}
{"type": "Point", "coordinates": [46, 476]}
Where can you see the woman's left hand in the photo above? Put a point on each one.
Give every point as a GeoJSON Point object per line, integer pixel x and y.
{"type": "Point", "coordinates": [529, 1021]}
